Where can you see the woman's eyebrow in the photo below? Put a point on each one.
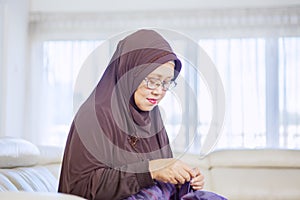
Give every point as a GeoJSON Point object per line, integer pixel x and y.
{"type": "Point", "coordinates": [159, 76]}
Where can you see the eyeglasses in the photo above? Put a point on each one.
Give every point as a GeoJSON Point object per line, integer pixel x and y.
{"type": "Point", "coordinates": [153, 83]}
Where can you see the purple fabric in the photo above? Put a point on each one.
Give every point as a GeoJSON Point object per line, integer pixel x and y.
{"type": "Point", "coordinates": [187, 193]}
{"type": "Point", "coordinates": [166, 191]}
{"type": "Point", "coordinates": [202, 195]}
{"type": "Point", "coordinates": [159, 191]}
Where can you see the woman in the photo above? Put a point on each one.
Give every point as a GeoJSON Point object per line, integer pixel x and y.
{"type": "Point", "coordinates": [117, 146]}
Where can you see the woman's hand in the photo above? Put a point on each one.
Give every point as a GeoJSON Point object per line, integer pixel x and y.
{"type": "Point", "coordinates": [197, 182]}
{"type": "Point", "coordinates": [174, 171]}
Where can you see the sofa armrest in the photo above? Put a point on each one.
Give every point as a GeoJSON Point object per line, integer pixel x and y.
{"type": "Point", "coordinates": [38, 196]}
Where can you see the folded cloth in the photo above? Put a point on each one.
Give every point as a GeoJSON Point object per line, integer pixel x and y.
{"type": "Point", "coordinates": [160, 191]}
{"type": "Point", "coordinates": [167, 191]}
{"type": "Point", "coordinates": [187, 193]}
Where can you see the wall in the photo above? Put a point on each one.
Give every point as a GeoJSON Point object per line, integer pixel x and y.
{"type": "Point", "coordinates": [1, 63]}
{"type": "Point", "coordinates": [13, 59]}
{"type": "Point", "coordinates": [156, 5]}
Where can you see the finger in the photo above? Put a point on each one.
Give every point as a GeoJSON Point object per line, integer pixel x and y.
{"type": "Point", "coordinates": [187, 177]}
{"type": "Point", "coordinates": [173, 180]}
{"type": "Point", "coordinates": [197, 171]}
{"type": "Point", "coordinates": [183, 170]}
{"type": "Point", "coordinates": [197, 182]}
{"type": "Point", "coordinates": [180, 179]}
{"type": "Point", "coordinates": [197, 187]}
{"type": "Point", "coordinates": [198, 178]}
{"type": "Point", "coordinates": [189, 170]}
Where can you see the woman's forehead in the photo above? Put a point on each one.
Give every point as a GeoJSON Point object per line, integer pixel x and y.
{"type": "Point", "coordinates": [165, 70]}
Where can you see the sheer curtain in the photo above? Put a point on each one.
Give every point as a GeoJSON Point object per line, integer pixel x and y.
{"type": "Point", "coordinates": [52, 93]}
{"type": "Point", "coordinates": [241, 64]}
{"type": "Point", "coordinates": [289, 91]}
{"type": "Point", "coordinates": [260, 76]}
{"type": "Point", "coordinates": [255, 51]}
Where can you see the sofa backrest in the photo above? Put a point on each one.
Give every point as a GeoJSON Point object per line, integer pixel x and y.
{"type": "Point", "coordinates": [247, 174]}
{"type": "Point", "coordinates": [265, 174]}
{"type": "Point", "coordinates": [27, 167]}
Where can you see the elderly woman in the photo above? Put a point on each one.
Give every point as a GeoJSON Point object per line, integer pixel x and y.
{"type": "Point", "coordinates": [117, 146]}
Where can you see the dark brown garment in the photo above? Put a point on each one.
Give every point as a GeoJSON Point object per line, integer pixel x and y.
{"type": "Point", "coordinates": [111, 141]}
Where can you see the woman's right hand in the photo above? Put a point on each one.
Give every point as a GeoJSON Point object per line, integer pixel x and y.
{"type": "Point", "coordinates": [171, 170]}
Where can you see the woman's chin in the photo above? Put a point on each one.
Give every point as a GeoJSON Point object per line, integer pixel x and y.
{"type": "Point", "coordinates": [147, 108]}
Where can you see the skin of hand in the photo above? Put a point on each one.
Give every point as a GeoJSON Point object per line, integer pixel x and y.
{"type": "Point", "coordinates": [174, 171]}
{"type": "Point", "coordinates": [197, 182]}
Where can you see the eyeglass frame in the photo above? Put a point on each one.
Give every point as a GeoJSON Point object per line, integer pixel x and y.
{"type": "Point", "coordinates": [172, 84]}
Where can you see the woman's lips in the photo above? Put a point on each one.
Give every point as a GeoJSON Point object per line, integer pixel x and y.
{"type": "Point", "coordinates": [152, 101]}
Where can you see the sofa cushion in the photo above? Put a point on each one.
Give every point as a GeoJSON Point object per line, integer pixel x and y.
{"type": "Point", "coordinates": [274, 158]}
{"type": "Point", "coordinates": [38, 196]}
{"type": "Point", "coordinates": [50, 154]}
{"type": "Point", "coordinates": [193, 160]}
{"type": "Point", "coordinates": [256, 183]}
{"type": "Point", "coordinates": [6, 184]}
{"type": "Point", "coordinates": [247, 174]}
{"type": "Point", "coordinates": [16, 152]}
{"type": "Point", "coordinates": [31, 179]}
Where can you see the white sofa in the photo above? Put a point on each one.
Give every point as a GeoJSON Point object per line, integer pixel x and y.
{"type": "Point", "coordinates": [30, 172]}
{"type": "Point", "coordinates": [256, 174]}
{"type": "Point", "coordinates": [259, 174]}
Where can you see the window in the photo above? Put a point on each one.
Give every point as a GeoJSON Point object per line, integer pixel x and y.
{"type": "Point", "coordinates": [289, 92]}
{"type": "Point", "coordinates": [256, 60]}
{"type": "Point", "coordinates": [258, 73]}
{"type": "Point", "coordinates": [62, 62]}
{"type": "Point", "coordinates": [260, 77]}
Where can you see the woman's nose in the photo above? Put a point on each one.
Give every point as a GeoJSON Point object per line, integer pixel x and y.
{"type": "Point", "coordinates": [158, 90]}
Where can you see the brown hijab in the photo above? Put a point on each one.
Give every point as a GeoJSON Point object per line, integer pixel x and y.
{"type": "Point", "coordinates": [111, 140]}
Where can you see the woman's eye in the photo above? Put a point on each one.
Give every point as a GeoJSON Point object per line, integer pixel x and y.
{"type": "Point", "coordinates": [153, 82]}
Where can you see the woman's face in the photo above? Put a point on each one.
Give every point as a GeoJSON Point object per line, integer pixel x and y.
{"type": "Point", "coordinates": [145, 98]}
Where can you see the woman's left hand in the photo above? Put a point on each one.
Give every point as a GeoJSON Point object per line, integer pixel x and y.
{"type": "Point", "coordinates": [197, 182]}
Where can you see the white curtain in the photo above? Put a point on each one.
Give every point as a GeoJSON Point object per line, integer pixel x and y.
{"type": "Point", "coordinates": [51, 102]}
{"type": "Point", "coordinates": [241, 64]}
{"type": "Point", "coordinates": [289, 92]}
{"type": "Point", "coordinates": [13, 66]}
{"type": "Point", "coordinates": [255, 51]}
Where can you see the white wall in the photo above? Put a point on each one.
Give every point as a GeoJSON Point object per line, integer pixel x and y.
{"type": "Point", "coordinates": [154, 5]}
{"type": "Point", "coordinates": [1, 63]}
{"type": "Point", "coordinates": [13, 63]}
